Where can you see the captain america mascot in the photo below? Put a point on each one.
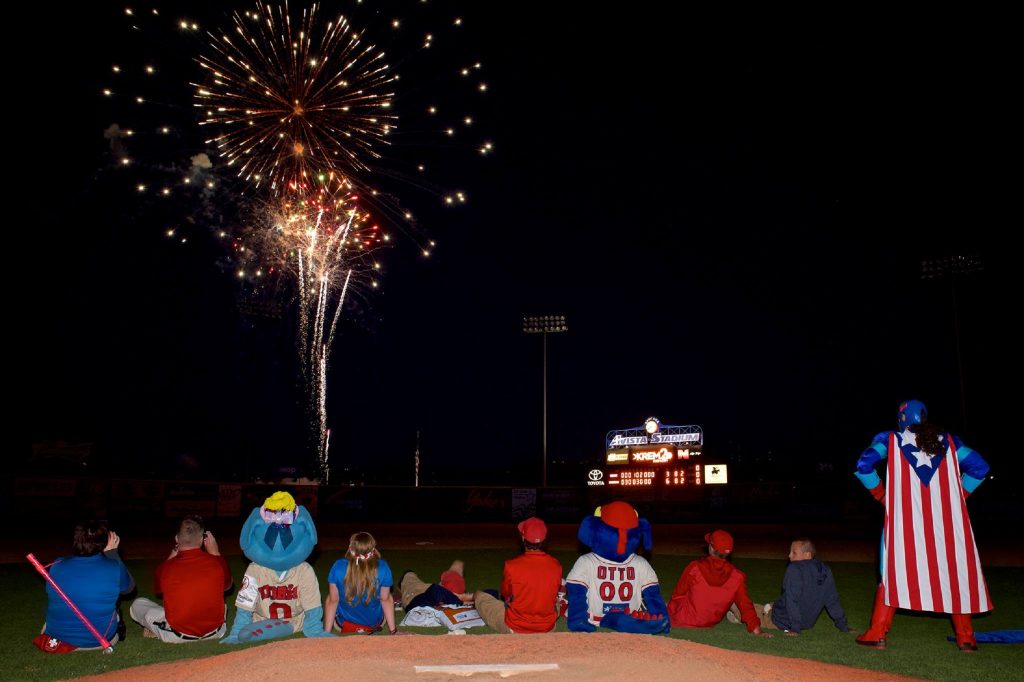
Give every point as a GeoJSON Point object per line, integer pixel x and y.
{"type": "Point", "coordinates": [929, 560]}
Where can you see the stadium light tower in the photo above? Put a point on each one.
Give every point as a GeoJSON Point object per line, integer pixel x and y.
{"type": "Point", "coordinates": [545, 324]}
{"type": "Point", "coordinates": [953, 267]}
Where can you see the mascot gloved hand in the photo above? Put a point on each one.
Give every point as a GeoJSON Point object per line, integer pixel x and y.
{"type": "Point", "coordinates": [280, 594]}
{"type": "Point", "coordinates": [608, 586]}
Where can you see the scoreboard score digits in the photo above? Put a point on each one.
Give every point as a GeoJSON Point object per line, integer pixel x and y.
{"type": "Point", "coordinates": [668, 477]}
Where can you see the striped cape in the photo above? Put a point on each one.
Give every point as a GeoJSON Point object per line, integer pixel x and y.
{"type": "Point", "coordinates": [929, 560]}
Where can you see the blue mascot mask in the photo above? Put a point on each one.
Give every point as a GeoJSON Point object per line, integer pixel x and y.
{"type": "Point", "coordinates": [615, 531]}
{"type": "Point", "coordinates": [279, 535]}
{"type": "Point", "coordinates": [912, 412]}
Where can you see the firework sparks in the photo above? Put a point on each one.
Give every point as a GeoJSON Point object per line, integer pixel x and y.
{"type": "Point", "coordinates": [320, 238]}
{"type": "Point", "coordinates": [325, 229]}
{"type": "Point", "coordinates": [299, 107]}
{"type": "Point", "coordinates": [293, 100]}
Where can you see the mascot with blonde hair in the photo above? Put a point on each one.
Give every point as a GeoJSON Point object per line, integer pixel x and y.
{"type": "Point", "coordinates": [280, 594]}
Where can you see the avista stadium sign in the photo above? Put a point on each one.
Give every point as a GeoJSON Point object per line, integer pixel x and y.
{"type": "Point", "coordinates": [653, 433]}
{"type": "Point", "coordinates": [618, 439]}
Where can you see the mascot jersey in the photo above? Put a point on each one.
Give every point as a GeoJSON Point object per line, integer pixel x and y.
{"type": "Point", "coordinates": [269, 596]}
{"type": "Point", "coordinates": [929, 559]}
{"type": "Point", "coordinates": [612, 586]}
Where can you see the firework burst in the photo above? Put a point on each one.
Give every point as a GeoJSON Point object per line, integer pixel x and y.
{"type": "Point", "coordinates": [293, 100]}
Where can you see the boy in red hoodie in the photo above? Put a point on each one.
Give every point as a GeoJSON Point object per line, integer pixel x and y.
{"type": "Point", "coordinates": [709, 586]}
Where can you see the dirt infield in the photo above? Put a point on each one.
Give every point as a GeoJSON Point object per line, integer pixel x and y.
{"type": "Point", "coordinates": [578, 656]}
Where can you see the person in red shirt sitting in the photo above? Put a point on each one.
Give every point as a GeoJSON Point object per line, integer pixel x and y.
{"type": "Point", "coordinates": [529, 587]}
{"type": "Point", "coordinates": [192, 580]}
{"type": "Point", "coordinates": [709, 586]}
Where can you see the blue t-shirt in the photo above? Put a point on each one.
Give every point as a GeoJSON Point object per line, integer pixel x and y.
{"type": "Point", "coordinates": [93, 583]}
{"type": "Point", "coordinates": [360, 613]}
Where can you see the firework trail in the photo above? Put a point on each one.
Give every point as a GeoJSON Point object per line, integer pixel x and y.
{"type": "Point", "coordinates": [315, 293]}
{"type": "Point", "coordinates": [325, 239]}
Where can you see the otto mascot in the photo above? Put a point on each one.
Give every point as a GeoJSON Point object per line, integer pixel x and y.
{"type": "Point", "coordinates": [612, 586]}
{"type": "Point", "coordinates": [280, 594]}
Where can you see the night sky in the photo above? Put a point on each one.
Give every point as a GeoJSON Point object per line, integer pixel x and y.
{"type": "Point", "coordinates": [731, 211]}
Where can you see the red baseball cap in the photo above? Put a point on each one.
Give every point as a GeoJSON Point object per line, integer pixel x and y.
{"type": "Point", "coordinates": [621, 516]}
{"type": "Point", "coordinates": [533, 530]}
{"type": "Point", "coordinates": [720, 540]}
{"type": "Point", "coordinates": [52, 645]}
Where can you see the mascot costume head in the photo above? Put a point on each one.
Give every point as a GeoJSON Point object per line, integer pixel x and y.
{"type": "Point", "coordinates": [277, 537]}
{"type": "Point", "coordinates": [614, 534]}
{"type": "Point", "coordinates": [615, 531]}
{"type": "Point", "coordinates": [911, 412]}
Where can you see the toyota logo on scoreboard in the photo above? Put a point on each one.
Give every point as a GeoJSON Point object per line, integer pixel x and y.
{"type": "Point", "coordinates": [596, 477]}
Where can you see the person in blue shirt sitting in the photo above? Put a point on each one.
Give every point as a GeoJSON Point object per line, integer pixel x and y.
{"type": "Point", "coordinates": [93, 577]}
{"type": "Point", "coordinates": [360, 599]}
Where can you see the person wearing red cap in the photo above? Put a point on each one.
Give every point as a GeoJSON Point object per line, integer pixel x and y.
{"type": "Point", "coordinates": [709, 586]}
{"type": "Point", "coordinates": [529, 587]}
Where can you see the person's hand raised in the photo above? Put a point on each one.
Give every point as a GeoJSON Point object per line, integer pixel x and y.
{"type": "Point", "coordinates": [210, 543]}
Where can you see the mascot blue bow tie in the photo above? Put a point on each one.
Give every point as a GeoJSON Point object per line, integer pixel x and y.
{"type": "Point", "coordinates": [278, 529]}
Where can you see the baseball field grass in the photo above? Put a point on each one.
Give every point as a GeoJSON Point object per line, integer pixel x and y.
{"type": "Point", "coordinates": [917, 642]}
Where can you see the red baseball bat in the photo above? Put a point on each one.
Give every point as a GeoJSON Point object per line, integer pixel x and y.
{"type": "Point", "coordinates": [108, 648]}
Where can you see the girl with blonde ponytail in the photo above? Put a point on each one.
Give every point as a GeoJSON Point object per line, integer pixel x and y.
{"type": "Point", "coordinates": [360, 597]}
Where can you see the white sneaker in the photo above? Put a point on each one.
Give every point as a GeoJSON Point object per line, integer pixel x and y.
{"type": "Point", "coordinates": [731, 617]}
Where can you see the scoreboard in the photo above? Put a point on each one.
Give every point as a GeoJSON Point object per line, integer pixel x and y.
{"type": "Point", "coordinates": [647, 466]}
{"type": "Point", "coordinates": [656, 457]}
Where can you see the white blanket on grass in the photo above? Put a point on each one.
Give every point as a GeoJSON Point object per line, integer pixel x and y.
{"type": "Point", "coordinates": [451, 616]}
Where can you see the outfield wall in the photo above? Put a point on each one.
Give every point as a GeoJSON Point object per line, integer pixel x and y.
{"type": "Point", "coordinates": [127, 499]}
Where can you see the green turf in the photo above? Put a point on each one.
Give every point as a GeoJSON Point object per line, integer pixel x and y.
{"type": "Point", "coordinates": [918, 645]}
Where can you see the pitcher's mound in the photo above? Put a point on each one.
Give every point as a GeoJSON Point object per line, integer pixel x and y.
{"type": "Point", "coordinates": [599, 656]}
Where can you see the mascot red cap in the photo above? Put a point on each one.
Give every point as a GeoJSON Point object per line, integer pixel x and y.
{"type": "Point", "coordinates": [619, 515]}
